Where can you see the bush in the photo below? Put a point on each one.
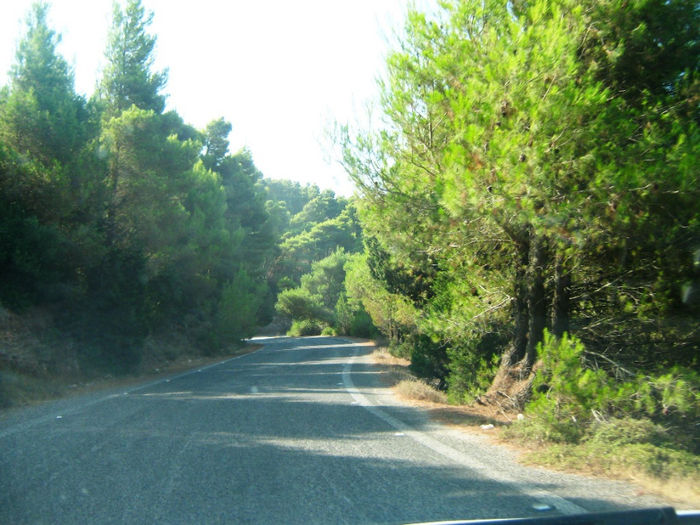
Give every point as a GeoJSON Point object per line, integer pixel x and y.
{"type": "Point", "coordinates": [627, 431]}
{"type": "Point", "coordinates": [428, 358]}
{"type": "Point", "coordinates": [300, 304]}
{"type": "Point", "coordinates": [361, 325]}
{"type": "Point", "coordinates": [305, 327]}
{"type": "Point", "coordinates": [236, 316]}
{"type": "Point", "coordinates": [353, 319]}
{"type": "Point", "coordinates": [568, 397]}
{"type": "Point", "coordinates": [473, 365]}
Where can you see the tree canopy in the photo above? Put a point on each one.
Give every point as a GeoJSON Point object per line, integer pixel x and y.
{"type": "Point", "coordinates": [535, 170]}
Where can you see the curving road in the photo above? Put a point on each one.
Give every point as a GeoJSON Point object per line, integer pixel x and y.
{"type": "Point", "coordinates": [300, 431]}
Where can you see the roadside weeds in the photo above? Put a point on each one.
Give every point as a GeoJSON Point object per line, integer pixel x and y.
{"type": "Point", "coordinates": [18, 390]}
{"type": "Point", "coordinates": [680, 485]}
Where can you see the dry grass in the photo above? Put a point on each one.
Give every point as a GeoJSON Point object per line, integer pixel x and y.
{"type": "Point", "coordinates": [382, 356]}
{"type": "Point", "coordinates": [419, 393]}
{"type": "Point", "coordinates": [683, 492]}
{"type": "Point", "coordinates": [18, 388]}
{"type": "Point", "coordinates": [681, 489]}
{"type": "Point", "coordinates": [395, 368]}
{"type": "Point", "coordinates": [417, 390]}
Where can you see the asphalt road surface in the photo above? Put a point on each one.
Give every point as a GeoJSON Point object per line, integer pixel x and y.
{"type": "Point", "coordinates": [301, 431]}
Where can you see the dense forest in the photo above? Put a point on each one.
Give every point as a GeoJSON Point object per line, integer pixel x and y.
{"type": "Point", "coordinates": [129, 230]}
{"type": "Point", "coordinates": [526, 228]}
{"type": "Point", "coordinates": [530, 201]}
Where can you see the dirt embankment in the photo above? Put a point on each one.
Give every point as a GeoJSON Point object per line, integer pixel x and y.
{"type": "Point", "coordinates": [39, 362]}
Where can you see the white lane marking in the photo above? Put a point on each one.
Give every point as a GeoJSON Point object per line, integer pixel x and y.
{"type": "Point", "coordinates": [562, 505]}
{"type": "Point", "coordinates": [542, 507]}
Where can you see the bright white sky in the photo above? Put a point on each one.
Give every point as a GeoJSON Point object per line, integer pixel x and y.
{"type": "Point", "coordinates": [279, 70]}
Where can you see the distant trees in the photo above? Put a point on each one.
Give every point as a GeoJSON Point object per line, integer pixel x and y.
{"type": "Point", "coordinates": [320, 232]}
{"type": "Point", "coordinates": [117, 216]}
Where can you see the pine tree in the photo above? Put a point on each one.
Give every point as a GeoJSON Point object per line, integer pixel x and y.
{"type": "Point", "coordinates": [524, 171]}
{"type": "Point", "coordinates": [42, 115]}
{"type": "Point", "coordinates": [128, 79]}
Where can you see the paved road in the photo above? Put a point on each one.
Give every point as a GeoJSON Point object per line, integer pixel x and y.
{"type": "Point", "coordinates": [300, 431]}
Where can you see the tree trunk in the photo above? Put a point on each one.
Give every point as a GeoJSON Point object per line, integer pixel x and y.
{"type": "Point", "coordinates": [536, 300]}
{"type": "Point", "coordinates": [513, 381]}
{"type": "Point", "coordinates": [508, 375]}
{"type": "Point", "coordinates": [516, 350]}
{"type": "Point", "coordinates": [561, 303]}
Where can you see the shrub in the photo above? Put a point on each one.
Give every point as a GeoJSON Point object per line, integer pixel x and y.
{"type": "Point", "coordinates": [299, 304]}
{"type": "Point", "coordinates": [627, 431]}
{"type": "Point", "coordinates": [473, 365]}
{"type": "Point", "coordinates": [236, 316]}
{"type": "Point", "coordinates": [352, 319]}
{"type": "Point", "coordinates": [305, 327]}
{"type": "Point", "coordinates": [568, 397]}
{"type": "Point", "coordinates": [428, 358]}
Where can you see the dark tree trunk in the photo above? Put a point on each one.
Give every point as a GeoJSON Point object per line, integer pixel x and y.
{"type": "Point", "coordinates": [516, 351]}
{"type": "Point", "coordinates": [536, 300]}
{"type": "Point", "coordinates": [513, 382]}
{"type": "Point", "coordinates": [561, 303]}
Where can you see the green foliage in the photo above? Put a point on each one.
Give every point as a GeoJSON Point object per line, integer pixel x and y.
{"type": "Point", "coordinates": [621, 447]}
{"type": "Point", "coordinates": [321, 208]}
{"type": "Point", "coordinates": [326, 278]}
{"type": "Point", "coordinates": [305, 327]}
{"type": "Point", "coordinates": [569, 397]}
{"type": "Point", "coordinates": [352, 319]}
{"type": "Point", "coordinates": [237, 318]}
{"type": "Point", "coordinates": [319, 240]}
{"type": "Point", "coordinates": [292, 194]}
{"type": "Point", "coordinates": [300, 304]}
{"type": "Point", "coordinates": [641, 46]}
{"type": "Point", "coordinates": [216, 144]}
{"type": "Point", "coordinates": [392, 314]}
{"type": "Point", "coordinates": [309, 273]}
{"type": "Point", "coordinates": [320, 290]}
{"type": "Point", "coordinates": [42, 116]}
{"type": "Point", "coordinates": [127, 78]}
{"type": "Point", "coordinates": [472, 367]}
{"type": "Point", "coordinates": [627, 431]}
{"type": "Point", "coordinates": [428, 358]}
{"type": "Point", "coordinates": [121, 220]}
{"type": "Point", "coordinates": [329, 331]}
{"type": "Point", "coordinates": [535, 169]}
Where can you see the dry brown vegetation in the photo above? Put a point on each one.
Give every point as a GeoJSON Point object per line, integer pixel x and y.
{"type": "Point", "coordinates": [680, 491]}
{"type": "Point", "coordinates": [418, 390]}
{"type": "Point", "coordinates": [38, 363]}
{"type": "Point", "coordinates": [418, 393]}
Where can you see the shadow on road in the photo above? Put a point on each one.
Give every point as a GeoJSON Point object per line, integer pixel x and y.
{"type": "Point", "coordinates": [272, 436]}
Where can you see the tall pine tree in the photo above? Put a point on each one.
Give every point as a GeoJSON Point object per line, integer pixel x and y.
{"type": "Point", "coordinates": [128, 78]}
